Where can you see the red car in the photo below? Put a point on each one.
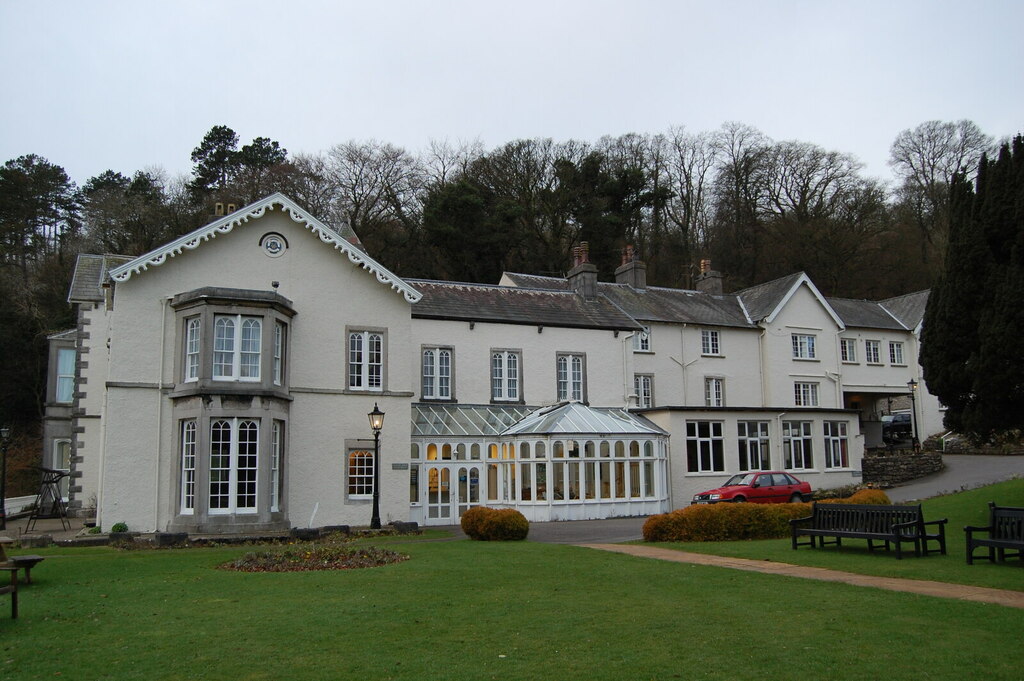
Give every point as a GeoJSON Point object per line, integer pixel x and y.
{"type": "Point", "coordinates": [762, 487]}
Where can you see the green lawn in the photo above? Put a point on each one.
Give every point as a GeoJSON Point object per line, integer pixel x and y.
{"type": "Point", "coordinates": [476, 610]}
{"type": "Point", "coordinates": [963, 508]}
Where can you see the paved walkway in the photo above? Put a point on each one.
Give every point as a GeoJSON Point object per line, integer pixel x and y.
{"type": "Point", "coordinates": [1013, 599]}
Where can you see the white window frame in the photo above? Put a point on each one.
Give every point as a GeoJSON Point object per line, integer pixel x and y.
{"type": "Point", "coordinates": [193, 335]}
{"type": "Point", "coordinates": [643, 384]}
{"type": "Point", "coordinates": [754, 446]}
{"type": "Point", "coordinates": [189, 457]}
{"type": "Point", "coordinates": [873, 351]}
{"type": "Point", "coordinates": [710, 343]}
{"type": "Point", "coordinates": [805, 394]}
{"type": "Point", "coordinates": [506, 370]}
{"type": "Point", "coordinates": [837, 446]}
{"type": "Point", "coordinates": [241, 467]}
{"type": "Point", "coordinates": [280, 339]}
{"type": "Point", "coordinates": [276, 457]}
{"type": "Point", "coordinates": [705, 447]}
{"type": "Point", "coordinates": [359, 465]}
{"type": "Point", "coordinates": [571, 377]}
{"type": "Point", "coordinates": [804, 346]}
{"type": "Point", "coordinates": [896, 356]}
{"type": "Point", "coordinates": [239, 353]}
{"type": "Point", "coordinates": [366, 361]}
{"type": "Point", "coordinates": [848, 350]}
{"type": "Point", "coordinates": [642, 340]}
{"type": "Point", "coordinates": [436, 372]}
{"type": "Point", "coordinates": [797, 446]}
{"type": "Point", "coordinates": [714, 391]}
{"type": "Point", "coordinates": [64, 389]}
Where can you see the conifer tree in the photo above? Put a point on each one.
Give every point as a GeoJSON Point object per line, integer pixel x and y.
{"type": "Point", "coordinates": [971, 343]}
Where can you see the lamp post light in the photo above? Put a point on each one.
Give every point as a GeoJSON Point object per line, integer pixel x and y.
{"type": "Point", "coordinates": [912, 384]}
{"type": "Point", "coordinates": [376, 423]}
{"type": "Point", "coordinates": [5, 441]}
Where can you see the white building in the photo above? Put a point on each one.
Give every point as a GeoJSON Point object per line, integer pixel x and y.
{"type": "Point", "coordinates": [223, 384]}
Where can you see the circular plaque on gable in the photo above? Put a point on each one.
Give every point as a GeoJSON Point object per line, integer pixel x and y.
{"type": "Point", "coordinates": [273, 244]}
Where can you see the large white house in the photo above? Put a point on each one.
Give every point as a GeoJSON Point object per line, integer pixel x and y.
{"type": "Point", "coordinates": [223, 382]}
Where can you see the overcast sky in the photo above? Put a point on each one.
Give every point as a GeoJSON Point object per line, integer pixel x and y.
{"type": "Point", "coordinates": [134, 84]}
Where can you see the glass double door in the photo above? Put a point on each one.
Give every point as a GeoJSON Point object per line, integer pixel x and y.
{"type": "Point", "coordinates": [451, 490]}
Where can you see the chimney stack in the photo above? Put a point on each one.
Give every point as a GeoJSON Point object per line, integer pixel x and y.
{"type": "Point", "coordinates": [583, 275]}
{"type": "Point", "coordinates": [708, 281]}
{"type": "Point", "coordinates": [632, 271]}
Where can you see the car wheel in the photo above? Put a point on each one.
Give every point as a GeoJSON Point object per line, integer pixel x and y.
{"type": "Point", "coordinates": [796, 499]}
{"type": "Point", "coordinates": [738, 500]}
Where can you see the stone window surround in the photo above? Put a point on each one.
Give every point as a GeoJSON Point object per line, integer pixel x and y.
{"type": "Point", "coordinates": [209, 302]}
{"type": "Point", "coordinates": [205, 410]}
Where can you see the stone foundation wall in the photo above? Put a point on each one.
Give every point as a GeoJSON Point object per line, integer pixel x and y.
{"type": "Point", "coordinates": [886, 469]}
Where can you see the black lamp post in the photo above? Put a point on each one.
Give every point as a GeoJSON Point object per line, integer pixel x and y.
{"type": "Point", "coordinates": [912, 384]}
{"type": "Point", "coordinates": [376, 423]}
{"type": "Point", "coordinates": [5, 441]}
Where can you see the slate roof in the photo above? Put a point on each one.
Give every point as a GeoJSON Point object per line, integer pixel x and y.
{"type": "Point", "coordinates": [656, 304]}
{"type": "Point", "coordinates": [90, 274]}
{"type": "Point", "coordinates": [761, 300]}
{"type": "Point", "coordinates": [511, 305]}
{"type": "Point", "coordinates": [864, 313]}
{"type": "Point", "coordinates": [908, 308]}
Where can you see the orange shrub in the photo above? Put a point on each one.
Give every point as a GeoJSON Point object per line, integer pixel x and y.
{"type": "Point", "coordinates": [864, 496]}
{"type": "Point", "coordinates": [723, 522]}
{"type": "Point", "coordinates": [489, 524]}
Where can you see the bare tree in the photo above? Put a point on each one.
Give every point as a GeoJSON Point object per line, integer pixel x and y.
{"type": "Point", "coordinates": [926, 159]}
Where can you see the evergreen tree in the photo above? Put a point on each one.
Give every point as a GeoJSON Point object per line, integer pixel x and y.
{"type": "Point", "coordinates": [971, 350]}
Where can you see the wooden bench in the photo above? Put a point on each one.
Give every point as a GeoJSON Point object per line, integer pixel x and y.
{"type": "Point", "coordinates": [12, 589]}
{"type": "Point", "coordinates": [1005, 533]}
{"type": "Point", "coordinates": [893, 525]}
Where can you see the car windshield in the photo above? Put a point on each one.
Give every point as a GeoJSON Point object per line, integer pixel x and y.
{"type": "Point", "coordinates": [741, 479]}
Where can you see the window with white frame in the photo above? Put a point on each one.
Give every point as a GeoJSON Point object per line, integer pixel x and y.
{"type": "Point", "coordinates": [234, 459]}
{"type": "Point", "coordinates": [710, 342]}
{"type": "Point", "coordinates": [896, 354]}
{"type": "Point", "coordinates": [188, 467]}
{"type": "Point", "coordinates": [505, 372]}
{"type": "Point", "coordinates": [805, 394]}
{"type": "Point", "coordinates": [276, 455]}
{"type": "Point", "coordinates": [797, 450]}
{"type": "Point", "coordinates": [192, 331]}
{"type": "Point", "coordinates": [365, 360]}
{"type": "Point", "coordinates": [570, 378]}
{"type": "Point", "coordinates": [642, 340]}
{"type": "Point", "coordinates": [360, 473]}
{"type": "Point", "coordinates": [65, 388]}
{"type": "Point", "coordinates": [714, 392]}
{"type": "Point", "coordinates": [643, 384]}
{"type": "Point", "coordinates": [836, 445]}
{"type": "Point", "coordinates": [754, 446]}
{"type": "Point", "coordinates": [236, 348]}
{"type": "Point", "coordinates": [705, 447]}
{"type": "Point", "coordinates": [279, 340]}
{"type": "Point", "coordinates": [437, 374]}
{"type": "Point", "coordinates": [848, 350]}
{"type": "Point", "coordinates": [803, 346]}
{"type": "Point", "coordinates": [871, 352]}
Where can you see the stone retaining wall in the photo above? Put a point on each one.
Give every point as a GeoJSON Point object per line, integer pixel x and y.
{"type": "Point", "coordinates": [886, 469]}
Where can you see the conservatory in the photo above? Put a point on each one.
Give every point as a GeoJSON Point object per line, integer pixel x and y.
{"type": "Point", "coordinates": [563, 462]}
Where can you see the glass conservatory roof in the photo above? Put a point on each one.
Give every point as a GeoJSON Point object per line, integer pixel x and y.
{"type": "Point", "coordinates": [575, 418]}
{"type": "Point", "coordinates": [453, 420]}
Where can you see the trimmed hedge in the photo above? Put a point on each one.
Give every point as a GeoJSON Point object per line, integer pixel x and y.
{"type": "Point", "coordinates": [490, 524]}
{"type": "Point", "coordinates": [729, 522]}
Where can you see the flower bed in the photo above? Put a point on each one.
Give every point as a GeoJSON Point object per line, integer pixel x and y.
{"type": "Point", "coordinates": [314, 557]}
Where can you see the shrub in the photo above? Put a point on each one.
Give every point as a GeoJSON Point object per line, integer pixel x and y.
{"type": "Point", "coordinates": [723, 522]}
{"type": "Point", "coordinates": [864, 496]}
{"type": "Point", "coordinates": [119, 527]}
{"type": "Point", "coordinates": [489, 524]}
